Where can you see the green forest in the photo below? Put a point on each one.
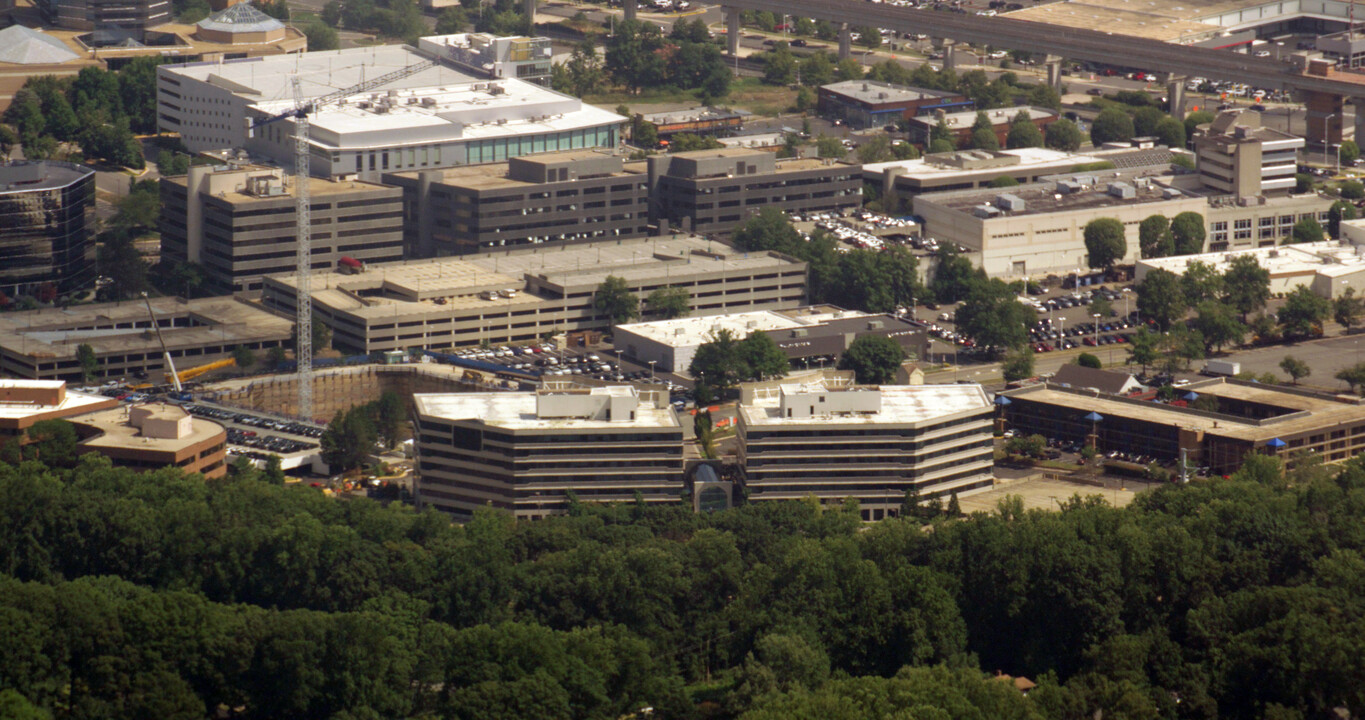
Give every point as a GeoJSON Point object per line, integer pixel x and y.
{"type": "Point", "coordinates": [161, 595]}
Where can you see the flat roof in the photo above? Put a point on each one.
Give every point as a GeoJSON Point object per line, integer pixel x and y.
{"type": "Point", "coordinates": [1030, 159]}
{"type": "Point", "coordinates": [316, 186]}
{"type": "Point", "coordinates": [517, 411]}
{"type": "Point", "coordinates": [1327, 257]}
{"type": "Point", "coordinates": [1155, 20]}
{"type": "Point", "coordinates": [28, 176]}
{"type": "Point", "coordinates": [998, 116]}
{"type": "Point", "coordinates": [694, 114]}
{"type": "Point", "coordinates": [900, 404]}
{"type": "Point", "coordinates": [117, 433]}
{"type": "Point", "coordinates": [57, 332]}
{"type": "Point", "coordinates": [75, 402]}
{"type": "Point", "coordinates": [1043, 197]}
{"type": "Point", "coordinates": [493, 176]}
{"type": "Point", "coordinates": [687, 331]}
{"type": "Point", "coordinates": [873, 91]}
{"type": "Point", "coordinates": [1322, 411]}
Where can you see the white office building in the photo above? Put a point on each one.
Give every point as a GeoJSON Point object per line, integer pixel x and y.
{"type": "Point", "coordinates": [435, 118]}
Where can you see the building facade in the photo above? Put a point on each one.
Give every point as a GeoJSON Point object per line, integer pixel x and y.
{"type": "Point", "coordinates": [126, 15]}
{"type": "Point", "coordinates": [715, 191]}
{"type": "Point", "coordinates": [490, 56]}
{"type": "Point", "coordinates": [46, 212]}
{"type": "Point", "coordinates": [528, 452]}
{"type": "Point", "coordinates": [523, 294]}
{"type": "Point", "coordinates": [1244, 161]}
{"type": "Point", "coordinates": [550, 198]}
{"type": "Point", "coordinates": [872, 444]}
{"type": "Point", "coordinates": [872, 104]}
{"type": "Point", "coordinates": [240, 224]}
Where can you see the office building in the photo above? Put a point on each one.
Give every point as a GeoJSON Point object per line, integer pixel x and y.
{"type": "Point", "coordinates": [920, 129]}
{"type": "Point", "coordinates": [968, 169]}
{"type": "Point", "coordinates": [872, 444]}
{"type": "Point", "coordinates": [129, 16]}
{"type": "Point", "coordinates": [715, 191]}
{"type": "Point", "coordinates": [239, 223]}
{"type": "Point", "coordinates": [550, 198]}
{"type": "Point", "coordinates": [803, 335]}
{"type": "Point", "coordinates": [525, 452]}
{"type": "Point", "coordinates": [523, 294]}
{"type": "Point", "coordinates": [872, 104]}
{"type": "Point", "coordinates": [46, 216]}
{"type": "Point", "coordinates": [43, 344]}
{"type": "Point", "coordinates": [437, 117]}
{"type": "Point", "coordinates": [1250, 418]}
{"type": "Point", "coordinates": [1327, 268]}
{"type": "Point", "coordinates": [491, 57]}
{"type": "Point", "coordinates": [1245, 161]}
{"type": "Point", "coordinates": [25, 402]}
{"type": "Point", "coordinates": [153, 436]}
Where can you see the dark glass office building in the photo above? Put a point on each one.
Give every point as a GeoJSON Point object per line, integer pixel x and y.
{"type": "Point", "coordinates": [46, 213]}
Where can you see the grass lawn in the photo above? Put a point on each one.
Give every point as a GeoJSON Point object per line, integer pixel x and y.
{"type": "Point", "coordinates": [746, 94]}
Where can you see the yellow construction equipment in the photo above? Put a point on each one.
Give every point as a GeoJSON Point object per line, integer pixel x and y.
{"type": "Point", "coordinates": [194, 372]}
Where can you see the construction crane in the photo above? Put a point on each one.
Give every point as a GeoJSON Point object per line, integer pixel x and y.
{"type": "Point", "coordinates": [174, 376]}
{"type": "Point", "coordinates": [303, 301]}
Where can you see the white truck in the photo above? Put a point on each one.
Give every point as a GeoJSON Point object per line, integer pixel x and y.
{"type": "Point", "coordinates": [1226, 368]}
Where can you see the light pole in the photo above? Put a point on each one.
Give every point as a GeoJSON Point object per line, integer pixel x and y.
{"type": "Point", "coordinates": [651, 369]}
{"type": "Point", "coordinates": [1097, 329]}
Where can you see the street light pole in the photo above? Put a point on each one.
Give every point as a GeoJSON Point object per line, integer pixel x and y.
{"type": "Point", "coordinates": [1097, 330]}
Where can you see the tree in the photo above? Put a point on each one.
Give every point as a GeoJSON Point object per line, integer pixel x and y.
{"type": "Point", "coordinates": [1295, 368]}
{"type": "Point", "coordinates": [1218, 325]}
{"type": "Point", "coordinates": [762, 358]}
{"type": "Point", "coordinates": [954, 276]}
{"type": "Point", "coordinates": [875, 149]}
{"type": "Point", "coordinates": [1201, 282]}
{"type": "Point", "coordinates": [1160, 298]}
{"type": "Point", "coordinates": [1144, 348]}
{"type": "Point", "coordinates": [687, 142]}
{"type": "Point", "coordinates": [1154, 237]}
{"type": "Point", "coordinates": [274, 470]}
{"type": "Point", "coordinates": [615, 300]}
{"type": "Point", "coordinates": [243, 357]}
{"type": "Point", "coordinates": [984, 140]}
{"type": "Point", "coordinates": [1063, 134]}
{"type": "Point", "coordinates": [1195, 119]}
{"type": "Point", "coordinates": [1303, 312]}
{"type": "Point", "coordinates": [634, 55]}
{"type": "Point", "coordinates": [1347, 308]}
{"type": "Point", "coordinates": [90, 364]}
{"type": "Point", "coordinates": [770, 229]}
{"type": "Point", "coordinates": [52, 442]}
{"type": "Point", "coordinates": [1353, 376]}
{"type": "Point", "coordinates": [941, 131]}
{"type": "Point", "coordinates": [1004, 181]}
{"type": "Point", "coordinates": [1170, 132]}
{"type": "Point", "coordinates": [941, 146]}
{"type": "Point", "coordinates": [1023, 133]}
{"type": "Point", "coordinates": [1340, 210]}
{"type": "Point", "coordinates": [830, 147]}
{"type": "Point", "coordinates": [1303, 183]}
{"type": "Point", "coordinates": [348, 439]}
{"type": "Point", "coordinates": [1088, 360]}
{"type": "Point", "coordinates": [1145, 120]}
{"type": "Point", "coordinates": [275, 356]}
{"type": "Point", "coordinates": [118, 260]}
{"type": "Point", "coordinates": [331, 14]}
{"type": "Point", "coordinates": [644, 134]}
{"type": "Point", "coordinates": [669, 302]}
{"type": "Point", "coordinates": [1018, 365]}
{"type": "Point", "coordinates": [1187, 232]}
{"type": "Point", "coordinates": [1349, 152]}
{"type": "Point", "coordinates": [993, 316]}
{"type": "Point", "coordinates": [322, 36]}
{"type": "Point", "coordinates": [779, 66]}
{"type": "Point", "coordinates": [874, 359]}
{"type": "Point", "coordinates": [1306, 230]}
{"type": "Point", "coordinates": [452, 20]}
{"type": "Point", "coordinates": [1101, 305]}
{"type": "Point", "coordinates": [1246, 285]}
{"type": "Point", "coordinates": [1104, 242]}
{"type": "Point", "coordinates": [723, 361]}
{"type": "Point", "coordinates": [1111, 125]}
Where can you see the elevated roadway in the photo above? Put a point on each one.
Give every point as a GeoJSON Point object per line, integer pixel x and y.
{"type": "Point", "coordinates": [1324, 95]}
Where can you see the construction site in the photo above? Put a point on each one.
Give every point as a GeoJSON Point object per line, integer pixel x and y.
{"type": "Point", "coordinates": [339, 389]}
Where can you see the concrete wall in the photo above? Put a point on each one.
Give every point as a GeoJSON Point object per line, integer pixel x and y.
{"type": "Point", "coordinates": [334, 390]}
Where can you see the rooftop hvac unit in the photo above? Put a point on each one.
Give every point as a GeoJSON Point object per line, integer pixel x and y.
{"type": "Point", "coordinates": [1170, 193]}
{"type": "Point", "coordinates": [1122, 190]}
{"type": "Point", "coordinates": [1013, 203]}
{"type": "Point", "coordinates": [428, 102]}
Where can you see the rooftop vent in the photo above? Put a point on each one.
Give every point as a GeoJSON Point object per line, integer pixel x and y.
{"type": "Point", "coordinates": [1122, 190]}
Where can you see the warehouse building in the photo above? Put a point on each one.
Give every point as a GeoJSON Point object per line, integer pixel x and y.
{"type": "Point", "coordinates": [803, 334]}
{"type": "Point", "coordinates": [546, 199]}
{"type": "Point", "coordinates": [714, 191]}
{"type": "Point", "coordinates": [1251, 418]}
{"type": "Point", "coordinates": [46, 220]}
{"type": "Point", "coordinates": [153, 436]}
{"type": "Point", "coordinates": [1327, 268]}
{"type": "Point", "coordinates": [525, 452]}
{"type": "Point", "coordinates": [437, 117]}
{"type": "Point", "coordinates": [43, 344]}
{"type": "Point", "coordinates": [239, 222]}
{"type": "Point", "coordinates": [873, 104]}
{"type": "Point", "coordinates": [872, 444]}
{"type": "Point", "coordinates": [519, 295]}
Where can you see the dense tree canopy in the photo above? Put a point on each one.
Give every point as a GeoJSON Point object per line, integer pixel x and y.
{"type": "Point", "coordinates": [1104, 242]}
{"type": "Point", "coordinates": [874, 359]}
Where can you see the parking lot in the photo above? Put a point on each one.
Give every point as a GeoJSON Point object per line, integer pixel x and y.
{"type": "Point", "coordinates": [257, 436]}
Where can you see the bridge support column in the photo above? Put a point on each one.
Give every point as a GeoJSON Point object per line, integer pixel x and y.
{"type": "Point", "coordinates": [845, 41]}
{"type": "Point", "coordinates": [1324, 118]}
{"type": "Point", "coordinates": [528, 8]}
{"type": "Point", "coordinates": [629, 7]}
{"type": "Point", "coordinates": [949, 56]}
{"type": "Point", "coordinates": [1054, 72]}
{"type": "Point", "coordinates": [732, 30]}
{"type": "Point", "coordinates": [1175, 95]}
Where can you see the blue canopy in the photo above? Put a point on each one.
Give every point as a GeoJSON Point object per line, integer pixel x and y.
{"type": "Point", "coordinates": [1191, 396]}
{"type": "Point", "coordinates": [1094, 417]}
{"type": "Point", "coordinates": [1276, 443]}
{"type": "Point", "coordinates": [1001, 400]}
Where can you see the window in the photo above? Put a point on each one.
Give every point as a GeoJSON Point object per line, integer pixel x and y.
{"type": "Point", "coordinates": [1241, 229]}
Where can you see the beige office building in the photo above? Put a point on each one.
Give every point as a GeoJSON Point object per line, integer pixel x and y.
{"type": "Point", "coordinates": [521, 295]}
{"type": "Point", "coordinates": [526, 452]}
{"type": "Point", "coordinates": [1244, 161]}
{"type": "Point", "coordinates": [155, 436]}
{"type": "Point", "coordinates": [869, 443]}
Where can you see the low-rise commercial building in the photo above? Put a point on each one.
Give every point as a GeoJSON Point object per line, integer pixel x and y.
{"type": "Point", "coordinates": [920, 129]}
{"type": "Point", "coordinates": [872, 104]}
{"type": "Point", "coordinates": [1251, 418]}
{"type": "Point", "coordinates": [519, 295]}
{"type": "Point", "coordinates": [872, 444]}
{"type": "Point", "coordinates": [44, 344]}
{"type": "Point", "coordinates": [1245, 161]}
{"type": "Point", "coordinates": [968, 169]}
{"type": "Point", "coordinates": [25, 402]}
{"type": "Point", "coordinates": [695, 121]}
{"type": "Point", "coordinates": [1327, 268]}
{"type": "Point", "coordinates": [239, 222]}
{"type": "Point", "coordinates": [714, 191]}
{"type": "Point", "coordinates": [491, 56]}
{"type": "Point", "coordinates": [801, 334]}
{"type": "Point", "coordinates": [528, 452]}
{"type": "Point", "coordinates": [548, 199]}
{"type": "Point", "coordinates": [155, 436]}
{"type": "Point", "coordinates": [46, 218]}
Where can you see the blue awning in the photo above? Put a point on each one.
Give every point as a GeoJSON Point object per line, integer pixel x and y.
{"type": "Point", "coordinates": [1001, 400]}
{"type": "Point", "coordinates": [1094, 417]}
{"type": "Point", "coordinates": [1276, 443]}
